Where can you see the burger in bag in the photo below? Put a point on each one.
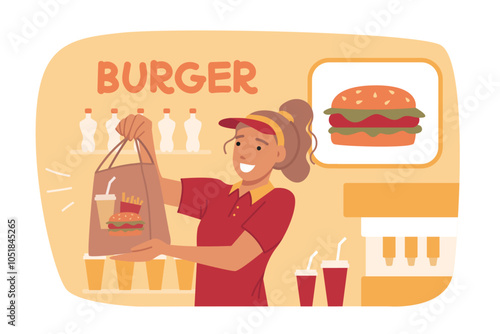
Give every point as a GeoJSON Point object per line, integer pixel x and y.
{"type": "Point", "coordinates": [122, 229]}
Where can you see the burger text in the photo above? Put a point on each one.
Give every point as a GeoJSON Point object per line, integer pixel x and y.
{"type": "Point", "coordinates": [221, 77]}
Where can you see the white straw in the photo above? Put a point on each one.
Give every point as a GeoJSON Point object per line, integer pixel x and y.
{"type": "Point", "coordinates": [339, 246]}
{"type": "Point", "coordinates": [311, 259]}
{"type": "Point", "coordinates": [109, 185]}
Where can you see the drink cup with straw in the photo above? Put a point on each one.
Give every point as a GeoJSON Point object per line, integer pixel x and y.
{"type": "Point", "coordinates": [311, 259]}
{"type": "Point", "coordinates": [335, 274]}
{"type": "Point", "coordinates": [109, 184]}
{"type": "Point", "coordinates": [306, 282]}
{"type": "Point", "coordinates": [106, 205]}
{"type": "Point", "coordinates": [339, 246]}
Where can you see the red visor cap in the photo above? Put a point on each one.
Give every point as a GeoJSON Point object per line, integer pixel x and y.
{"type": "Point", "coordinates": [231, 123]}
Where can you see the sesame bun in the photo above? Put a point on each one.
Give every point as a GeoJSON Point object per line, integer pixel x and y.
{"type": "Point", "coordinates": [374, 97]}
{"type": "Point", "coordinates": [374, 116]}
{"type": "Point", "coordinates": [362, 139]}
{"type": "Point", "coordinates": [120, 233]}
{"type": "Point", "coordinates": [125, 224]}
{"type": "Point", "coordinates": [125, 216]}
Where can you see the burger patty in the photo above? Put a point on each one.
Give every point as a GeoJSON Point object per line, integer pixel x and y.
{"type": "Point", "coordinates": [112, 226]}
{"type": "Point", "coordinates": [357, 115]}
{"type": "Point", "coordinates": [374, 121]}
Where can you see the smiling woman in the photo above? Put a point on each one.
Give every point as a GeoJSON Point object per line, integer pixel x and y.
{"type": "Point", "coordinates": [288, 130]}
{"type": "Point", "coordinates": [285, 133]}
{"type": "Point", "coordinates": [241, 224]}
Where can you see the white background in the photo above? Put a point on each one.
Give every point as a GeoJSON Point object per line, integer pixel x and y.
{"type": "Point", "coordinates": [418, 79]}
{"type": "Point", "coordinates": [467, 29]}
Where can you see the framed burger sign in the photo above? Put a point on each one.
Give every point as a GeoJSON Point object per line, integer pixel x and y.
{"type": "Point", "coordinates": [376, 112]}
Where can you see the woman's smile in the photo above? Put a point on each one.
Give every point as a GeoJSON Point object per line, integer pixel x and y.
{"type": "Point", "coordinates": [255, 154]}
{"type": "Point", "coordinates": [245, 168]}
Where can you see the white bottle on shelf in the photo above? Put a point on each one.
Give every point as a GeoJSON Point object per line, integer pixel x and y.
{"type": "Point", "coordinates": [140, 111]}
{"type": "Point", "coordinates": [167, 127]}
{"type": "Point", "coordinates": [111, 124]}
{"type": "Point", "coordinates": [88, 127]}
{"type": "Point", "coordinates": [192, 127]}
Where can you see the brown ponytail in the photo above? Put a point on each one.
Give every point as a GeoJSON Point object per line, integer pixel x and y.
{"type": "Point", "coordinates": [297, 137]}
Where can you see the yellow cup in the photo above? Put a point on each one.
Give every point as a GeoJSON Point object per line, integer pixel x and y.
{"type": "Point", "coordinates": [124, 273]}
{"type": "Point", "coordinates": [155, 269]}
{"type": "Point", "coordinates": [94, 266]}
{"type": "Point", "coordinates": [105, 208]}
{"type": "Point", "coordinates": [185, 271]}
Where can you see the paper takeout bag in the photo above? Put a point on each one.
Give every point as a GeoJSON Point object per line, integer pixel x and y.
{"type": "Point", "coordinates": [139, 180]}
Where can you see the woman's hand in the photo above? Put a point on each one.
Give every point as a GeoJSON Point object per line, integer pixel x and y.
{"type": "Point", "coordinates": [139, 127]}
{"type": "Point", "coordinates": [135, 127]}
{"type": "Point", "coordinates": [144, 252]}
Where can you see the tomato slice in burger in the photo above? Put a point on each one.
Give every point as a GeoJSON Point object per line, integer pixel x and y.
{"type": "Point", "coordinates": [111, 226]}
{"type": "Point", "coordinates": [374, 121]}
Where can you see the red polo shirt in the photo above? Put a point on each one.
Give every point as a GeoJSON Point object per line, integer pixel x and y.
{"type": "Point", "coordinates": [264, 212]}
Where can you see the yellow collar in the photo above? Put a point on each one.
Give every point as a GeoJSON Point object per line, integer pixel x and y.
{"type": "Point", "coordinates": [256, 193]}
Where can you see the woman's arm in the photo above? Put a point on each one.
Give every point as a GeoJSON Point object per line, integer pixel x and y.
{"type": "Point", "coordinates": [171, 190]}
{"type": "Point", "coordinates": [140, 127]}
{"type": "Point", "coordinates": [233, 257]}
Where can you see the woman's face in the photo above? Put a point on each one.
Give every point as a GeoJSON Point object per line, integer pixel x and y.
{"type": "Point", "coordinates": [255, 154]}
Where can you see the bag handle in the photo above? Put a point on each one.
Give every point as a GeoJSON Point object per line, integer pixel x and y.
{"type": "Point", "coordinates": [120, 146]}
{"type": "Point", "coordinates": [137, 142]}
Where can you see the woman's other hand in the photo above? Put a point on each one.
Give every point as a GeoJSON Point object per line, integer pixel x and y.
{"type": "Point", "coordinates": [144, 252]}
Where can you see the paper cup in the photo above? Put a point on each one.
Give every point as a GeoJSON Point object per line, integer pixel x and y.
{"type": "Point", "coordinates": [335, 274]}
{"type": "Point", "coordinates": [125, 274]}
{"type": "Point", "coordinates": [185, 271]}
{"type": "Point", "coordinates": [155, 269]}
{"type": "Point", "coordinates": [94, 266]}
{"type": "Point", "coordinates": [105, 208]}
{"type": "Point", "coordinates": [306, 282]}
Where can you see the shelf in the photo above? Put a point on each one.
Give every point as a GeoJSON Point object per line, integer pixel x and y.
{"type": "Point", "coordinates": [133, 152]}
{"type": "Point", "coordinates": [401, 199]}
{"type": "Point", "coordinates": [139, 291]}
{"type": "Point", "coordinates": [184, 152]}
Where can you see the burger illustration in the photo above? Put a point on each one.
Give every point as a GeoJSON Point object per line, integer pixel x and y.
{"type": "Point", "coordinates": [125, 224]}
{"type": "Point", "coordinates": [374, 116]}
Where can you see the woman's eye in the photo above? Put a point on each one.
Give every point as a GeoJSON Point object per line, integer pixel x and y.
{"type": "Point", "coordinates": [259, 148]}
{"type": "Point", "coordinates": [238, 143]}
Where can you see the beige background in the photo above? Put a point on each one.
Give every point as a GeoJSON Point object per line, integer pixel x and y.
{"type": "Point", "coordinates": [283, 62]}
